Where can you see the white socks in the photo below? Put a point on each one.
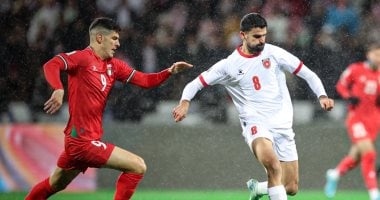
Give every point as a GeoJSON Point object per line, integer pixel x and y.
{"type": "Point", "coordinates": [333, 174]}
{"type": "Point", "coordinates": [262, 187]}
{"type": "Point", "coordinates": [373, 194]}
{"type": "Point", "coordinates": [277, 193]}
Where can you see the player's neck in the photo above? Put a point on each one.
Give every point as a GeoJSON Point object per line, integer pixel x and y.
{"type": "Point", "coordinates": [372, 66]}
{"type": "Point", "coordinates": [97, 51]}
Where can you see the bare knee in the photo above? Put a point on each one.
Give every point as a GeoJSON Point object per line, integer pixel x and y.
{"type": "Point", "coordinates": [58, 186]}
{"type": "Point", "coordinates": [291, 188]}
{"type": "Point", "coordinates": [273, 168]}
{"type": "Point", "coordinates": [140, 167]}
{"type": "Point", "coordinates": [263, 150]}
{"type": "Point", "coordinates": [60, 178]}
{"type": "Point", "coordinates": [126, 161]}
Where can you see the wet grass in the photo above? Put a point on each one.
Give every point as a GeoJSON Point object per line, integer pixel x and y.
{"type": "Point", "coordinates": [186, 195]}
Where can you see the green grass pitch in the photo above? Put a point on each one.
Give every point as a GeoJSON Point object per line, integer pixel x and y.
{"type": "Point", "coordinates": [187, 195]}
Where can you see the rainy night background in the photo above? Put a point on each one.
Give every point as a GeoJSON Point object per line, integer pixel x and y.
{"type": "Point", "coordinates": [207, 150]}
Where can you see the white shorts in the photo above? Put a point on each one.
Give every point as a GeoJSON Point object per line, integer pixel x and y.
{"type": "Point", "coordinates": [283, 141]}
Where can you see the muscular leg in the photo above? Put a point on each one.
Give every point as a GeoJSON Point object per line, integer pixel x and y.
{"type": "Point", "coordinates": [362, 151]}
{"type": "Point", "coordinates": [125, 161]}
{"type": "Point", "coordinates": [263, 150]}
{"type": "Point", "coordinates": [132, 166]}
{"type": "Point", "coordinates": [290, 177]}
{"type": "Point", "coordinates": [354, 153]}
{"type": "Point", "coordinates": [61, 178]}
{"type": "Point", "coordinates": [349, 162]}
{"type": "Point", "coordinates": [364, 146]}
{"type": "Point", "coordinates": [53, 184]}
{"type": "Point", "coordinates": [346, 164]}
{"type": "Point", "coordinates": [368, 161]}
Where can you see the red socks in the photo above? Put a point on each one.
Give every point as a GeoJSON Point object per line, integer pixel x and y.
{"type": "Point", "coordinates": [345, 165]}
{"type": "Point", "coordinates": [368, 169]}
{"type": "Point", "coordinates": [126, 185]}
{"type": "Point", "coordinates": [41, 191]}
{"type": "Point", "coordinates": [367, 166]}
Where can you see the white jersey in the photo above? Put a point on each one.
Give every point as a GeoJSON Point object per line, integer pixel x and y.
{"type": "Point", "coordinates": [257, 84]}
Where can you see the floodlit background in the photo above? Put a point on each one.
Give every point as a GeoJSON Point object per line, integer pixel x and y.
{"type": "Point", "coordinates": [207, 150]}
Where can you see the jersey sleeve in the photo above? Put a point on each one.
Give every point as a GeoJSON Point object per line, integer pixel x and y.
{"type": "Point", "coordinates": [124, 72]}
{"type": "Point", "coordinates": [215, 75]}
{"type": "Point", "coordinates": [52, 70]}
{"type": "Point", "coordinates": [287, 61]}
{"type": "Point", "coordinates": [127, 74]}
{"type": "Point", "coordinates": [292, 64]}
{"type": "Point", "coordinates": [73, 60]}
{"type": "Point", "coordinates": [312, 80]}
{"type": "Point", "coordinates": [345, 81]}
{"type": "Point", "coordinates": [61, 62]}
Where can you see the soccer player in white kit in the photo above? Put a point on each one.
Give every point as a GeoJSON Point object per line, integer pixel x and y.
{"type": "Point", "coordinates": [254, 77]}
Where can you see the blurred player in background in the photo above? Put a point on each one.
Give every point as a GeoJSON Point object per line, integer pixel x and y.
{"type": "Point", "coordinates": [92, 73]}
{"type": "Point", "coordinates": [359, 85]}
{"type": "Point", "coordinates": [254, 76]}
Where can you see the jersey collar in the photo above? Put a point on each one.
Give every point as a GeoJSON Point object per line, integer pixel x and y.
{"type": "Point", "coordinates": [367, 65]}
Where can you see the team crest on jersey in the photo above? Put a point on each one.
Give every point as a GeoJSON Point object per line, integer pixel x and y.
{"type": "Point", "coordinates": [109, 69]}
{"type": "Point", "coordinates": [266, 62]}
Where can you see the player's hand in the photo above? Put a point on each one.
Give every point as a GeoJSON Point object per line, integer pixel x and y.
{"type": "Point", "coordinates": [55, 102]}
{"type": "Point", "coordinates": [179, 112]}
{"type": "Point", "coordinates": [179, 66]}
{"type": "Point", "coordinates": [353, 100]}
{"type": "Point", "coordinates": [326, 103]}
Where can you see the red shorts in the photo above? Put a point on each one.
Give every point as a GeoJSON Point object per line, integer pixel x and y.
{"type": "Point", "coordinates": [361, 128]}
{"type": "Point", "coordinates": [81, 154]}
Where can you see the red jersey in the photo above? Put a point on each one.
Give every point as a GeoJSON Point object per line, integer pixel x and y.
{"type": "Point", "coordinates": [90, 80]}
{"type": "Point", "coordinates": [359, 80]}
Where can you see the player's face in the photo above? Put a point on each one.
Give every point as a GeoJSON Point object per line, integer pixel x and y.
{"type": "Point", "coordinates": [110, 43]}
{"type": "Point", "coordinates": [254, 40]}
{"type": "Point", "coordinates": [373, 56]}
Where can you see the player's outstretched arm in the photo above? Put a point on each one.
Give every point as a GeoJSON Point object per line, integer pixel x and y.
{"type": "Point", "coordinates": [316, 85]}
{"type": "Point", "coordinates": [326, 103]}
{"type": "Point", "coordinates": [55, 102]}
{"type": "Point", "coordinates": [180, 112]}
{"type": "Point", "coordinates": [150, 80]}
{"type": "Point", "coordinates": [179, 66]}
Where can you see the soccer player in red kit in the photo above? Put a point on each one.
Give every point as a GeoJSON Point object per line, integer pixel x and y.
{"type": "Point", "coordinates": [359, 84]}
{"type": "Point", "coordinates": [91, 74]}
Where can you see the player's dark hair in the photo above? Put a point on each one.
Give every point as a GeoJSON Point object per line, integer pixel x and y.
{"type": "Point", "coordinates": [106, 23]}
{"type": "Point", "coordinates": [373, 45]}
{"type": "Point", "coordinates": [252, 20]}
